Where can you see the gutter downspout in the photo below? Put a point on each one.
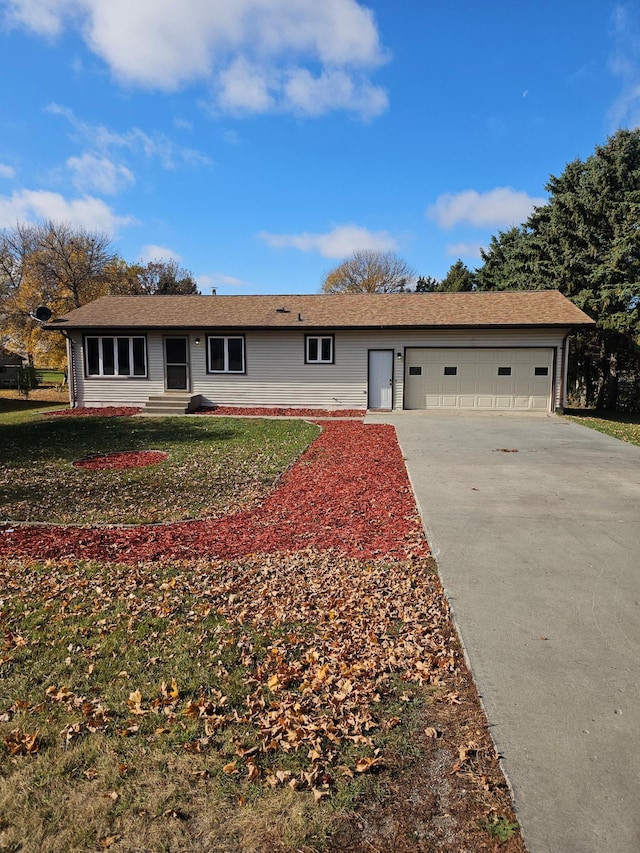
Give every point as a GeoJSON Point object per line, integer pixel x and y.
{"type": "Point", "coordinates": [565, 371]}
{"type": "Point", "coordinates": [71, 361]}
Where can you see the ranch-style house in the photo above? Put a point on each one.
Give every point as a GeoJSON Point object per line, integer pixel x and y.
{"type": "Point", "coordinates": [482, 351]}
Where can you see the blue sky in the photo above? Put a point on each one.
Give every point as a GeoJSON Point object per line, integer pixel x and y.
{"type": "Point", "coordinates": [259, 142]}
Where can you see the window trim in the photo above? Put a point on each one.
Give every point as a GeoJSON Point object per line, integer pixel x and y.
{"type": "Point", "coordinates": [115, 337]}
{"type": "Point", "coordinates": [319, 339]}
{"type": "Point", "coordinates": [226, 338]}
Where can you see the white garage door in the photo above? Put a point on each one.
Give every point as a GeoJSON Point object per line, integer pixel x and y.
{"type": "Point", "coordinates": [515, 379]}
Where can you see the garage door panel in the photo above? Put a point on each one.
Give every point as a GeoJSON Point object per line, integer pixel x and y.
{"type": "Point", "coordinates": [485, 378]}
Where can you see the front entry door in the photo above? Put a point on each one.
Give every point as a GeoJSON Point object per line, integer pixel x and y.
{"type": "Point", "coordinates": [176, 364]}
{"type": "Point", "coordinates": [380, 379]}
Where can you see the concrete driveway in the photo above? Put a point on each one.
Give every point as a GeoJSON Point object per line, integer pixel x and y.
{"type": "Point", "coordinates": [539, 551]}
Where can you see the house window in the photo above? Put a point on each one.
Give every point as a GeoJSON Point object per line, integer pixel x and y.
{"type": "Point", "coordinates": [226, 354]}
{"type": "Point", "coordinates": [319, 349]}
{"type": "Point", "coordinates": [115, 356]}
{"type": "Point", "coordinates": [451, 371]}
{"type": "Point", "coordinates": [504, 371]}
{"type": "Point", "coordinates": [542, 371]}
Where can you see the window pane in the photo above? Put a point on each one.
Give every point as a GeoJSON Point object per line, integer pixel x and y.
{"type": "Point", "coordinates": [326, 349]}
{"type": "Point", "coordinates": [504, 371]}
{"type": "Point", "coordinates": [216, 353]}
{"type": "Point", "coordinates": [236, 361]}
{"type": "Point", "coordinates": [139, 361]}
{"type": "Point", "coordinates": [93, 361]}
{"type": "Point", "coordinates": [542, 371]}
{"type": "Point", "coordinates": [451, 371]}
{"type": "Point", "coordinates": [108, 357]}
{"type": "Point", "coordinates": [124, 368]}
{"type": "Point", "coordinates": [176, 350]}
{"type": "Point", "coordinates": [415, 371]}
{"type": "Point", "coordinates": [312, 349]}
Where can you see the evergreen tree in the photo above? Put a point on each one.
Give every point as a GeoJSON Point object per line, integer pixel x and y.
{"type": "Point", "coordinates": [585, 242]}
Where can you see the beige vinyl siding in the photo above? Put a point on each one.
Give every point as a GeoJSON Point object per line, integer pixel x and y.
{"type": "Point", "coordinates": [276, 373]}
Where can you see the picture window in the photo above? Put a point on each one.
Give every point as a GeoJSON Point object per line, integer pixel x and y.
{"type": "Point", "coordinates": [116, 356]}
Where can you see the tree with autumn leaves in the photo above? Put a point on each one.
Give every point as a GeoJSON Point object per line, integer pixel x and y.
{"type": "Point", "coordinates": [62, 267]}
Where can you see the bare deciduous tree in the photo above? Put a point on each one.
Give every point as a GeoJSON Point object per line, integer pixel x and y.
{"type": "Point", "coordinates": [370, 271]}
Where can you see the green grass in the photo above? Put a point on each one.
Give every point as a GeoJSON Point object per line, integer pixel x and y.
{"type": "Point", "coordinates": [21, 411]}
{"type": "Point", "coordinates": [136, 705]}
{"type": "Point", "coordinates": [625, 426]}
{"type": "Point", "coordinates": [50, 377]}
{"type": "Point", "coordinates": [215, 466]}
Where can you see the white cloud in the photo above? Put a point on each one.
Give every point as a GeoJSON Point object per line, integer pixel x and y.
{"type": "Point", "coordinates": [343, 240]}
{"type": "Point", "coordinates": [248, 50]}
{"type": "Point", "coordinates": [464, 250]}
{"type": "Point", "coordinates": [219, 279]}
{"type": "Point", "coordinates": [333, 89]}
{"type": "Point", "coordinates": [502, 206]}
{"type": "Point", "coordinates": [245, 87]}
{"type": "Point", "coordinates": [158, 253]}
{"type": "Point", "coordinates": [624, 64]}
{"type": "Point", "coordinates": [7, 171]}
{"type": "Point", "coordinates": [35, 205]}
{"type": "Point", "coordinates": [99, 174]}
{"type": "Point", "coordinates": [103, 141]}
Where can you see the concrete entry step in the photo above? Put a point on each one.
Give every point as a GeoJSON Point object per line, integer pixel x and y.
{"type": "Point", "coordinates": [172, 403]}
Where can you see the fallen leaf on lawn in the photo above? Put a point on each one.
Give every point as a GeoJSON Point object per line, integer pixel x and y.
{"type": "Point", "coordinates": [230, 768]}
{"type": "Point", "coordinates": [107, 840]}
{"type": "Point", "coordinates": [363, 765]}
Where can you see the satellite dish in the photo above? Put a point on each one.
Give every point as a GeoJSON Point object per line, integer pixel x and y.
{"type": "Point", "coordinates": [42, 314]}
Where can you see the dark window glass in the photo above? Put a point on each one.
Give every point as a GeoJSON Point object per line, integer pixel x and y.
{"type": "Point", "coordinates": [451, 371]}
{"type": "Point", "coordinates": [313, 349]}
{"type": "Point", "coordinates": [93, 359]}
{"type": "Point", "coordinates": [124, 368]}
{"type": "Point", "coordinates": [176, 350]}
{"type": "Point", "coordinates": [108, 357]}
{"type": "Point", "coordinates": [139, 361]}
{"type": "Point", "coordinates": [326, 349]}
{"type": "Point", "coordinates": [216, 353]}
{"type": "Point", "coordinates": [504, 371]}
{"type": "Point", "coordinates": [236, 360]}
{"type": "Point", "coordinates": [542, 371]}
{"type": "Point", "coordinates": [415, 371]}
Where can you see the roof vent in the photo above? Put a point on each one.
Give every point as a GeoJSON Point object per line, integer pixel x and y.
{"type": "Point", "coordinates": [282, 311]}
{"type": "Point", "coordinates": [300, 318]}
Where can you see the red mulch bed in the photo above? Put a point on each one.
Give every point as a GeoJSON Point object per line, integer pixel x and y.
{"type": "Point", "coordinates": [96, 411]}
{"type": "Point", "coordinates": [349, 492]}
{"type": "Point", "coordinates": [119, 461]}
{"type": "Point", "coordinates": [282, 411]}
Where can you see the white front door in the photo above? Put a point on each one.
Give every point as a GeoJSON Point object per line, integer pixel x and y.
{"type": "Point", "coordinates": [380, 379]}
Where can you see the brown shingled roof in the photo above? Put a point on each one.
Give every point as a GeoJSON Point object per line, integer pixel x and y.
{"type": "Point", "coordinates": [335, 311]}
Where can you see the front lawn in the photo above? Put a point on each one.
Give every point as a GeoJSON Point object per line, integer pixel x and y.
{"type": "Point", "coordinates": [214, 466]}
{"type": "Point", "coordinates": [281, 678]}
{"type": "Point", "coordinates": [625, 426]}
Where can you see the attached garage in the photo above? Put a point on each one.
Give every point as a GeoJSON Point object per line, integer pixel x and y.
{"type": "Point", "coordinates": [479, 378]}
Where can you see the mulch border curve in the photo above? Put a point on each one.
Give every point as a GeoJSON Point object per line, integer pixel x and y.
{"type": "Point", "coordinates": [349, 493]}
